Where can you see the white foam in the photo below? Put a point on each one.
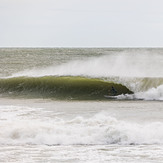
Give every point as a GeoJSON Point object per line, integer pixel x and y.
{"type": "Point", "coordinates": [99, 129]}
{"type": "Point", "coordinates": [151, 94]}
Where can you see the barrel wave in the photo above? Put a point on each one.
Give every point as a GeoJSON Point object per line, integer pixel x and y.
{"type": "Point", "coordinates": [61, 87]}
{"type": "Point", "coordinates": [134, 74]}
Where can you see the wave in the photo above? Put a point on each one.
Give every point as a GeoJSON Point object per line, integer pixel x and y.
{"type": "Point", "coordinates": [61, 87]}
{"type": "Point", "coordinates": [139, 71]}
{"type": "Point", "coordinates": [99, 129]}
{"type": "Point", "coordinates": [83, 88]}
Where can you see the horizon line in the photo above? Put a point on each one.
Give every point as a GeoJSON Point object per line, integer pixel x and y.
{"type": "Point", "coordinates": [152, 47]}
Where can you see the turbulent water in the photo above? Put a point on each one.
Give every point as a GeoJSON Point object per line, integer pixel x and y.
{"type": "Point", "coordinates": [81, 105]}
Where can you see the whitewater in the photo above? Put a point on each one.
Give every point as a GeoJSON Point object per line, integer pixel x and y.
{"type": "Point", "coordinates": [81, 105]}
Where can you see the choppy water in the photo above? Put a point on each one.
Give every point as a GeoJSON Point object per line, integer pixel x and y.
{"type": "Point", "coordinates": [57, 105]}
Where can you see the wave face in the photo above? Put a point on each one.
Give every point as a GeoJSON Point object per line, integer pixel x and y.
{"type": "Point", "coordinates": [17, 127]}
{"type": "Point", "coordinates": [61, 87]}
{"type": "Point", "coordinates": [138, 70]}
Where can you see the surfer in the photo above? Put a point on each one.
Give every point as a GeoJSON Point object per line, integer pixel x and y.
{"type": "Point", "coordinates": [113, 91]}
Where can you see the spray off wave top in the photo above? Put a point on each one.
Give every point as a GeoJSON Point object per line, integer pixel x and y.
{"type": "Point", "coordinates": [121, 65]}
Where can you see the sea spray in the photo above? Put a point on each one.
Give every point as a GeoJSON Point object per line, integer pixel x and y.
{"type": "Point", "coordinates": [122, 64]}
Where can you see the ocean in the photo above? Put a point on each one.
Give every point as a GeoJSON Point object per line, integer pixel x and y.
{"type": "Point", "coordinates": [75, 105]}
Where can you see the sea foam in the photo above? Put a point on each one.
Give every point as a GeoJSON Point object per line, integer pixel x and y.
{"type": "Point", "coordinates": [151, 94]}
{"type": "Point", "coordinates": [25, 127]}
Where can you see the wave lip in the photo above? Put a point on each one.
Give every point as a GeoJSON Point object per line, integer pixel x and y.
{"type": "Point", "coordinates": [65, 87]}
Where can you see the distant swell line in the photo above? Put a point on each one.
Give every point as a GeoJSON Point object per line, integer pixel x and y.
{"type": "Point", "coordinates": [66, 87]}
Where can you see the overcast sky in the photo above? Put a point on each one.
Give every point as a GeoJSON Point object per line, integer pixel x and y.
{"type": "Point", "coordinates": [81, 23]}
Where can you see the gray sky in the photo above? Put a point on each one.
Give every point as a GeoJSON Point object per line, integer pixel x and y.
{"type": "Point", "coordinates": [81, 23]}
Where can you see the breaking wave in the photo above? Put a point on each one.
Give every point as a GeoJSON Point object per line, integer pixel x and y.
{"type": "Point", "coordinates": [135, 71]}
{"type": "Point", "coordinates": [99, 129]}
{"type": "Point", "coordinates": [83, 88]}
{"type": "Point", "coordinates": [61, 87]}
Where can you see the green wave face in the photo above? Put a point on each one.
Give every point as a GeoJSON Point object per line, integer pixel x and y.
{"type": "Point", "coordinates": [79, 88]}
